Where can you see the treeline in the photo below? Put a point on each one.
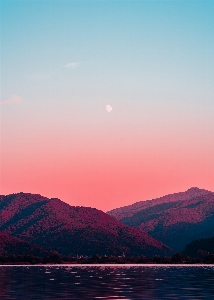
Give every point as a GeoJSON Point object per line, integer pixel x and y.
{"type": "Point", "coordinates": [177, 258]}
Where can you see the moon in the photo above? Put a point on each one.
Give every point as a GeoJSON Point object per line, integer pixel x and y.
{"type": "Point", "coordinates": [108, 108]}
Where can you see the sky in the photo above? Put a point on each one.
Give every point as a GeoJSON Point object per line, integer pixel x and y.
{"type": "Point", "coordinates": [62, 62]}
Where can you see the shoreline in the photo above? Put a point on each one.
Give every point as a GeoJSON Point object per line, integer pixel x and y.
{"type": "Point", "coordinates": [109, 265]}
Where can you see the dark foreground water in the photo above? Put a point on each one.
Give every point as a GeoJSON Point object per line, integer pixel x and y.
{"type": "Point", "coordinates": [107, 282]}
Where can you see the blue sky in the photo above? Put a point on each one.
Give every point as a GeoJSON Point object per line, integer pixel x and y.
{"type": "Point", "coordinates": [118, 44]}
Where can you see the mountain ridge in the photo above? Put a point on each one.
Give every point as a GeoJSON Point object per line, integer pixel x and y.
{"type": "Point", "coordinates": [120, 212]}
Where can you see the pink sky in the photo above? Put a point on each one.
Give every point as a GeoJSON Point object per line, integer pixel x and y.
{"type": "Point", "coordinates": [108, 166]}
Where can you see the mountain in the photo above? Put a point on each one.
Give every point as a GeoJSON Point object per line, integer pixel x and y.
{"type": "Point", "coordinates": [175, 219]}
{"type": "Point", "coordinates": [14, 246]}
{"type": "Point", "coordinates": [67, 229]}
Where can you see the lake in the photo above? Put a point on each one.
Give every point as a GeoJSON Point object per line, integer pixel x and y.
{"type": "Point", "coordinates": [107, 282]}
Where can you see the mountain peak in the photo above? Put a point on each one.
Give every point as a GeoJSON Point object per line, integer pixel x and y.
{"type": "Point", "coordinates": [193, 189]}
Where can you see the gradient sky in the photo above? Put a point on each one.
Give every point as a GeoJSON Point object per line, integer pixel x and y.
{"type": "Point", "coordinates": [62, 62]}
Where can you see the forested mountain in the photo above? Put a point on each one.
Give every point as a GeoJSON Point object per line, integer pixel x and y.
{"type": "Point", "coordinates": [175, 220]}
{"type": "Point", "coordinates": [58, 226]}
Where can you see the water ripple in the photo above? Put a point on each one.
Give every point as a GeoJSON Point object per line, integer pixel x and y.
{"type": "Point", "coordinates": [106, 282]}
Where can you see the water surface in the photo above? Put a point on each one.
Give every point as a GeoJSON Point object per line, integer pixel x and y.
{"type": "Point", "coordinates": [107, 282]}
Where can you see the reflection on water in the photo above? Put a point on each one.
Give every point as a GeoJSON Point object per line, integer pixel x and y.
{"type": "Point", "coordinates": [107, 282]}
